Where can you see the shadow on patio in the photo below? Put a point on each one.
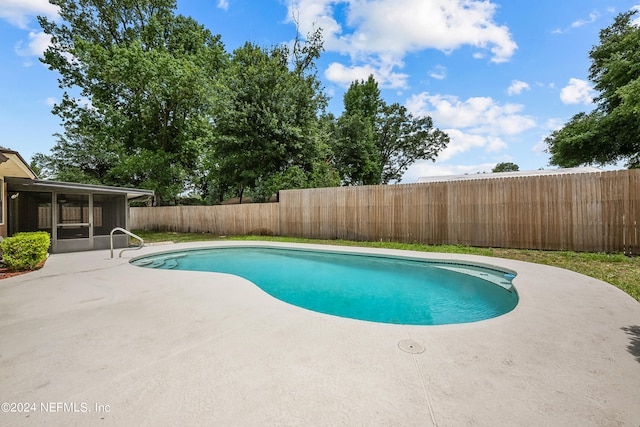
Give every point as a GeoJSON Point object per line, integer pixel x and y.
{"type": "Point", "coordinates": [634, 346]}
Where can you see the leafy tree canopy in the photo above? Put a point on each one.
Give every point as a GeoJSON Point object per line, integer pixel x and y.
{"type": "Point", "coordinates": [268, 135]}
{"type": "Point", "coordinates": [137, 83]}
{"type": "Point", "coordinates": [151, 99]}
{"type": "Point", "coordinates": [505, 167]}
{"type": "Point", "coordinates": [402, 139]}
{"type": "Point", "coordinates": [375, 143]}
{"type": "Point", "coordinates": [611, 132]}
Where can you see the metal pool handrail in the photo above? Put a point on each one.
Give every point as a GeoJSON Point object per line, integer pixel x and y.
{"type": "Point", "coordinates": [127, 232]}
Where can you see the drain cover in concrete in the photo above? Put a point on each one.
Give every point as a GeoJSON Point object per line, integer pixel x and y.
{"type": "Point", "coordinates": [411, 346]}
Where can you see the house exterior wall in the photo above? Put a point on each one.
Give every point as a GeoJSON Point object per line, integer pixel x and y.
{"type": "Point", "coordinates": [3, 206]}
{"type": "Point", "coordinates": [11, 165]}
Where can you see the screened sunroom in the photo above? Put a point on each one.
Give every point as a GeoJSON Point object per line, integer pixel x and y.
{"type": "Point", "coordinates": [78, 217]}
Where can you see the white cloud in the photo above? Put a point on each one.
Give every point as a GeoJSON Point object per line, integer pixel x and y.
{"type": "Point", "coordinates": [461, 142]}
{"type": "Point", "coordinates": [344, 76]}
{"type": "Point", "coordinates": [481, 115]}
{"type": "Point", "coordinates": [554, 124]}
{"type": "Point", "coordinates": [439, 72]}
{"type": "Point", "coordinates": [636, 21]}
{"type": "Point", "coordinates": [495, 144]}
{"type": "Point", "coordinates": [593, 16]}
{"type": "Point", "coordinates": [382, 72]}
{"type": "Point", "coordinates": [38, 43]}
{"type": "Point", "coordinates": [541, 147]}
{"type": "Point", "coordinates": [517, 87]}
{"type": "Point", "coordinates": [400, 26]}
{"type": "Point", "coordinates": [424, 168]}
{"type": "Point", "coordinates": [50, 101]}
{"type": "Point", "coordinates": [551, 124]}
{"type": "Point", "coordinates": [312, 14]}
{"type": "Point", "coordinates": [382, 32]}
{"type": "Point", "coordinates": [577, 92]}
{"type": "Point", "coordinates": [21, 12]}
{"type": "Point", "coordinates": [223, 4]}
{"type": "Point", "coordinates": [475, 123]}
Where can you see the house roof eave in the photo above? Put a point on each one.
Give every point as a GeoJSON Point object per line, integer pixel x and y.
{"type": "Point", "coordinates": [46, 185]}
{"type": "Point", "coordinates": [13, 165]}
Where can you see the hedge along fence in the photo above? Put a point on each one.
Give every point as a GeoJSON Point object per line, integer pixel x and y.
{"type": "Point", "coordinates": [596, 212]}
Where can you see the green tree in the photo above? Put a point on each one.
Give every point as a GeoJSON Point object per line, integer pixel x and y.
{"type": "Point", "coordinates": [375, 143]}
{"type": "Point", "coordinates": [356, 157]}
{"type": "Point", "coordinates": [611, 132]}
{"type": "Point", "coordinates": [401, 139]}
{"type": "Point", "coordinates": [34, 165]}
{"type": "Point", "coordinates": [137, 81]}
{"type": "Point", "coordinates": [505, 167]}
{"type": "Point", "coordinates": [363, 98]}
{"type": "Point", "coordinates": [268, 134]}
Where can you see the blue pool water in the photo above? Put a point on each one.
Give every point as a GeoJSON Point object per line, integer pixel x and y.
{"type": "Point", "coordinates": [375, 288]}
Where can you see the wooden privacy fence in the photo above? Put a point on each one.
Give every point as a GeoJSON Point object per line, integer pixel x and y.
{"type": "Point", "coordinates": [597, 212]}
{"type": "Point", "coordinates": [227, 220]}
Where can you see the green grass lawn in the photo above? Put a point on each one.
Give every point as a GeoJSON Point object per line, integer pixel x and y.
{"type": "Point", "coordinates": [617, 269]}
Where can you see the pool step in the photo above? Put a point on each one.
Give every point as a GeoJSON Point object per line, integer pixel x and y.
{"type": "Point", "coordinates": [503, 282]}
{"type": "Point", "coordinates": [166, 262]}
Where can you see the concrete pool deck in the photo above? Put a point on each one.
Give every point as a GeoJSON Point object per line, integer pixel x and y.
{"type": "Point", "coordinates": [89, 340]}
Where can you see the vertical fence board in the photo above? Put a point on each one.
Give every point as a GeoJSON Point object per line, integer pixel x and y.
{"type": "Point", "coordinates": [634, 213]}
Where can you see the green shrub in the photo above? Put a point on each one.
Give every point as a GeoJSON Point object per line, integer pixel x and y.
{"type": "Point", "coordinates": [24, 251]}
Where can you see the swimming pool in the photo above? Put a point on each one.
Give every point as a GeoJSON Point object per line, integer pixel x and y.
{"type": "Point", "coordinates": [376, 288]}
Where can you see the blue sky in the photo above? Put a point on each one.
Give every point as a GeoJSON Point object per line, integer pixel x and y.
{"type": "Point", "coordinates": [498, 76]}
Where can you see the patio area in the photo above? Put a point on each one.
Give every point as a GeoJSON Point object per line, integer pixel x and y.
{"type": "Point", "coordinates": [91, 340]}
